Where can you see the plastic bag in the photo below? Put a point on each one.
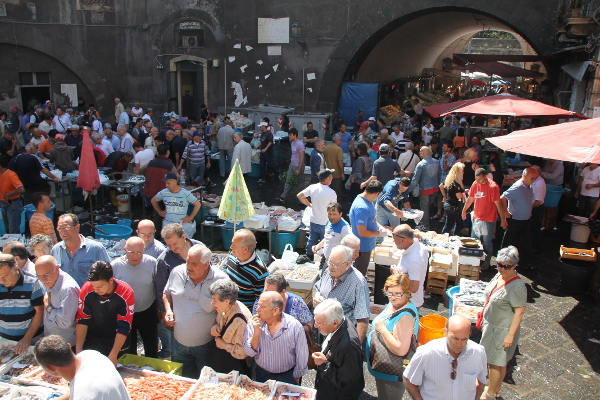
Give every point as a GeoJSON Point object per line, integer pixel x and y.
{"type": "Point", "coordinates": [255, 157]}
{"type": "Point", "coordinates": [286, 223]}
{"type": "Point", "coordinates": [289, 255]}
{"type": "Point", "coordinates": [306, 216]}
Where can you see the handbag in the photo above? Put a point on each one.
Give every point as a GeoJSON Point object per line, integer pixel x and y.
{"type": "Point", "coordinates": [479, 322]}
{"type": "Point", "coordinates": [312, 348]}
{"type": "Point", "coordinates": [382, 359]}
{"type": "Point", "coordinates": [221, 360]}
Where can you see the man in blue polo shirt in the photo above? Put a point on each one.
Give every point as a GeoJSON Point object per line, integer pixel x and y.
{"type": "Point", "coordinates": [395, 193]}
{"type": "Point", "coordinates": [364, 223]}
{"type": "Point", "coordinates": [21, 304]}
{"type": "Point", "coordinates": [518, 200]}
{"type": "Point", "coordinates": [75, 253]}
{"type": "Point", "coordinates": [335, 230]}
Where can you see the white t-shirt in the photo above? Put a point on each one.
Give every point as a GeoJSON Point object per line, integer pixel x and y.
{"type": "Point", "coordinates": [97, 379]}
{"type": "Point", "coordinates": [591, 178]}
{"type": "Point", "coordinates": [136, 112]}
{"type": "Point", "coordinates": [414, 262]}
{"type": "Point", "coordinates": [320, 197]}
{"type": "Point", "coordinates": [143, 157]}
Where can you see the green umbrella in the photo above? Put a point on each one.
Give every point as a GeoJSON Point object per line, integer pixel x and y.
{"type": "Point", "coordinates": [236, 204]}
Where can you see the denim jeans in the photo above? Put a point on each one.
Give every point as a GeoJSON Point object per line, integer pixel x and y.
{"type": "Point", "coordinates": [267, 159]}
{"type": "Point", "coordinates": [165, 340]}
{"type": "Point", "coordinates": [196, 173]}
{"type": "Point", "coordinates": [452, 217]}
{"type": "Point", "coordinates": [225, 157]}
{"type": "Point", "coordinates": [11, 213]}
{"type": "Point", "coordinates": [387, 218]}
{"type": "Point", "coordinates": [192, 358]}
{"type": "Point", "coordinates": [484, 231]}
{"type": "Point", "coordinates": [317, 233]}
{"type": "Point", "coordinates": [425, 203]}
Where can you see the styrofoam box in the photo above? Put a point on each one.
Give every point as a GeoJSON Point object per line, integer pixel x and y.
{"type": "Point", "coordinates": [469, 260]}
{"type": "Point", "coordinates": [257, 222]}
{"type": "Point", "coordinates": [301, 284]}
{"type": "Point", "coordinates": [305, 392]}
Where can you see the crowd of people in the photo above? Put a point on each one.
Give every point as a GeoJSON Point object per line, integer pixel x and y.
{"type": "Point", "coordinates": [78, 305]}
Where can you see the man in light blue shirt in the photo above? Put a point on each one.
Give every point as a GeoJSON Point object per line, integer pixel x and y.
{"type": "Point", "coordinates": [518, 200]}
{"type": "Point", "coordinates": [61, 299]}
{"type": "Point", "coordinates": [427, 176]}
{"type": "Point", "coordinates": [75, 254]}
{"type": "Point", "coordinates": [177, 200]}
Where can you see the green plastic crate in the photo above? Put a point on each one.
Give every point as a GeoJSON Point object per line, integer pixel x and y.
{"type": "Point", "coordinates": [169, 367]}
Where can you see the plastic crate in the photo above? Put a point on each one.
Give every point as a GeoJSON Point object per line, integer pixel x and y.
{"type": "Point", "coordinates": [170, 367]}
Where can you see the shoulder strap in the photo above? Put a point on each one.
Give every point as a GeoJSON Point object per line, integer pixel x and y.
{"type": "Point", "coordinates": [400, 311]}
{"type": "Point", "coordinates": [238, 315]}
{"type": "Point", "coordinates": [409, 161]}
{"type": "Point", "coordinates": [498, 288]}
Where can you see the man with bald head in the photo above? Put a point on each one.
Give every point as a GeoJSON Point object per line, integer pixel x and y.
{"type": "Point", "coordinates": [189, 312]}
{"type": "Point", "coordinates": [146, 231]}
{"type": "Point", "coordinates": [518, 202]}
{"type": "Point", "coordinates": [277, 342]}
{"type": "Point", "coordinates": [60, 300]}
{"type": "Point", "coordinates": [138, 270]}
{"type": "Point", "coordinates": [448, 368]}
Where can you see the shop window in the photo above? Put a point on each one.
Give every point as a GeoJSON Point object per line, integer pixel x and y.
{"type": "Point", "coordinates": [96, 5]}
{"type": "Point", "coordinates": [189, 34]}
{"type": "Point", "coordinates": [34, 78]}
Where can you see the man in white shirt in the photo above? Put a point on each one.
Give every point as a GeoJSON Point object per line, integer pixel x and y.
{"type": "Point", "coordinates": [102, 143]}
{"type": "Point", "coordinates": [46, 125]}
{"type": "Point", "coordinates": [408, 160]}
{"type": "Point", "coordinates": [92, 375]}
{"type": "Point", "coordinates": [61, 121]}
{"type": "Point", "coordinates": [136, 111]}
{"type": "Point", "coordinates": [414, 261]}
{"type": "Point", "coordinates": [321, 195]}
{"type": "Point", "coordinates": [588, 190]}
{"type": "Point", "coordinates": [141, 158]}
{"type": "Point", "coordinates": [148, 117]}
{"type": "Point", "coordinates": [126, 139]}
{"type": "Point", "coordinates": [539, 194]}
{"type": "Point", "coordinates": [448, 368]}
{"type": "Point", "coordinates": [243, 152]}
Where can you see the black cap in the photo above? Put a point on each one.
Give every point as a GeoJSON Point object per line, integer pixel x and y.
{"type": "Point", "coordinates": [324, 173]}
{"type": "Point", "coordinates": [169, 175]}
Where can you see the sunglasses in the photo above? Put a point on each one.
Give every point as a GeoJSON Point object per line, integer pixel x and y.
{"type": "Point", "coordinates": [454, 366]}
{"type": "Point", "coordinates": [505, 266]}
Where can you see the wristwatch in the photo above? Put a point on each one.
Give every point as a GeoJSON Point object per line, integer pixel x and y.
{"type": "Point", "coordinates": [49, 308]}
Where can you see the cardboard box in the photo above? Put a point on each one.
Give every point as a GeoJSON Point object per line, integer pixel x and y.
{"type": "Point", "coordinates": [577, 254]}
{"type": "Point", "coordinates": [385, 256]}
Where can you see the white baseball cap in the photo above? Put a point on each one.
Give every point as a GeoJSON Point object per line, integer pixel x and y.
{"type": "Point", "coordinates": [372, 119]}
{"type": "Point", "coordinates": [263, 124]}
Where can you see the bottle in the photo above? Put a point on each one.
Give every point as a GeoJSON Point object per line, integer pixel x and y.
{"type": "Point", "coordinates": [182, 177]}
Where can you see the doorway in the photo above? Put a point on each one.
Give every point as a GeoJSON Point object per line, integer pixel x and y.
{"type": "Point", "coordinates": [191, 88]}
{"type": "Point", "coordinates": [31, 94]}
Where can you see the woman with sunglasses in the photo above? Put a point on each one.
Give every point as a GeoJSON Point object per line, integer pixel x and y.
{"type": "Point", "coordinates": [506, 297]}
{"type": "Point", "coordinates": [396, 332]}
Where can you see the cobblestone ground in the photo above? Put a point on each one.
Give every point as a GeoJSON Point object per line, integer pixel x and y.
{"type": "Point", "coordinates": [557, 360]}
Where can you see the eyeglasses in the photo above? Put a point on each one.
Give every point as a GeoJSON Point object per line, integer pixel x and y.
{"type": "Point", "coordinates": [399, 236]}
{"type": "Point", "coordinates": [64, 228]}
{"type": "Point", "coordinates": [391, 294]}
{"type": "Point", "coordinates": [45, 276]}
{"type": "Point", "coordinates": [505, 266]}
{"type": "Point", "coordinates": [454, 366]}
{"type": "Point", "coordinates": [334, 265]}
{"type": "Point", "coordinates": [135, 253]}
{"type": "Point", "coordinates": [145, 234]}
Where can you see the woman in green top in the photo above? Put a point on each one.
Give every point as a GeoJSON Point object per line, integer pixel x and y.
{"type": "Point", "coordinates": [506, 297]}
{"type": "Point", "coordinates": [396, 332]}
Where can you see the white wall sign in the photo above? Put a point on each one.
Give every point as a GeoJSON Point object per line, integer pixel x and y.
{"type": "Point", "coordinates": [271, 30]}
{"type": "Point", "coordinates": [274, 50]}
{"type": "Point", "coordinates": [70, 89]}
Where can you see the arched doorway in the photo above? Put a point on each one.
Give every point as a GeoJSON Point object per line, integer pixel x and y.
{"type": "Point", "coordinates": [407, 39]}
{"type": "Point", "coordinates": [188, 85]}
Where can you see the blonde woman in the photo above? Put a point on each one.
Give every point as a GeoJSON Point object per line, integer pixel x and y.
{"type": "Point", "coordinates": [470, 158]}
{"type": "Point", "coordinates": [452, 190]}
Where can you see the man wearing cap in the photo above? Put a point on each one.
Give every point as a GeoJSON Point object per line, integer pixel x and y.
{"type": "Point", "coordinates": [196, 151]}
{"type": "Point", "coordinates": [141, 158]}
{"type": "Point", "coordinates": [333, 154]}
{"type": "Point", "coordinates": [321, 195]}
{"type": "Point", "coordinates": [62, 155]}
{"type": "Point", "coordinates": [384, 168]}
{"type": "Point", "coordinates": [177, 200]}
{"type": "Point", "coordinates": [295, 173]}
{"type": "Point", "coordinates": [267, 154]}
{"type": "Point", "coordinates": [226, 144]}
{"type": "Point", "coordinates": [242, 152]}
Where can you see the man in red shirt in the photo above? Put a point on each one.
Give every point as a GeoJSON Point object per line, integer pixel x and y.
{"type": "Point", "coordinates": [484, 194]}
{"type": "Point", "coordinates": [105, 313]}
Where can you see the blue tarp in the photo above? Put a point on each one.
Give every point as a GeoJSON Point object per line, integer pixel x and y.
{"type": "Point", "coordinates": [355, 97]}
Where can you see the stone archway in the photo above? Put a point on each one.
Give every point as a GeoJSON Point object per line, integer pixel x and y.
{"type": "Point", "coordinates": [174, 70]}
{"type": "Point", "coordinates": [530, 22]}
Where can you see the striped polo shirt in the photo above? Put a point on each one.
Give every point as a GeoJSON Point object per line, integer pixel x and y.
{"type": "Point", "coordinates": [249, 276]}
{"type": "Point", "coordinates": [17, 306]}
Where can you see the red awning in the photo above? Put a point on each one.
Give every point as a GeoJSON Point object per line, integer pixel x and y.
{"type": "Point", "coordinates": [477, 82]}
{"type": "Point", "coordinates": [503, 70]}
{"type": "Point", "coordinates": [502, 105]}
{"type": "Point", "coordinates": [463, 59]}
{"type": "Point", "coordinates": [577, 141]}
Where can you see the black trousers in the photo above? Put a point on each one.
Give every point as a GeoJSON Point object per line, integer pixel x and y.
{"type": "Point", "coordinates": [519, 229]}
{"type": "Point", "coordinates": [144, 322]}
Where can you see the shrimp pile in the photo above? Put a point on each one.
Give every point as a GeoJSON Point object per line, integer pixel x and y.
{"type": "Point", "coordinates": [231, 392]}
{"type": "Point", "coordinates": [42, 376]}
{"type": "Point", "coordinates": [155, 387]}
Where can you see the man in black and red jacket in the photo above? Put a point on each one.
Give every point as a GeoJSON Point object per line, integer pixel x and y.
{"type": "Point", "coordinates": [105, 313]}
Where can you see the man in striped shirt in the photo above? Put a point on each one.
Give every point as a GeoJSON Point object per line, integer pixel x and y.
{"type": "Point", "coordinates": [197, 152]}
{"type": "Point", "coordinates": [277, 342]}
{"type": "Point", "coordinates": [246, 268]}
{"type": "Point", "coordinates": [21, 304]}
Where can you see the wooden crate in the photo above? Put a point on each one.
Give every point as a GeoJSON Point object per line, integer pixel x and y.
{"type": "Point", "coordinates": [474, 276]}
{"type": "Point", "coordinates": [468, 268]}
{"type": "Point", "coordinates": [305, 294]}
{"type": "Point", "coordinates": [438, 275]}
{"type": "Point", "coordinates": [577, 254]}
{"type": "Point", "coordinates": [435, 290]}
{"type": "Point", "coordinates": [438, 264]}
